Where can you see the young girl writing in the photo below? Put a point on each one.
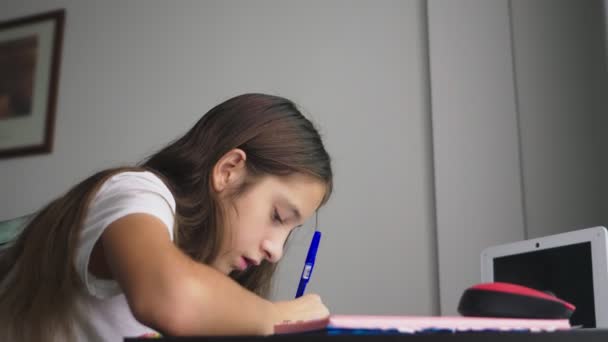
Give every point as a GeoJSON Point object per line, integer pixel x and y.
{"type": "Point", "coordinates": [183, 244]}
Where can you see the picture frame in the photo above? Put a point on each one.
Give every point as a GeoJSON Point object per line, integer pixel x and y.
{"type": "Point", "coordinates": [30, 53]}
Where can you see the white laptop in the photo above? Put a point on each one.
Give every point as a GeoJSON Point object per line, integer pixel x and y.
{"type": "Point", "coordinates": [573, 266]}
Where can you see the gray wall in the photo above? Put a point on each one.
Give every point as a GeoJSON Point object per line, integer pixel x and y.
{"type": "Point", "coordinates": [601, 82]}
{"type": "Point", "coordinates": [519, 117]}
{"type": "Point", "coordinates": [453, 125]}
{"type": "Point", "coordinates": [475, 138]}
{"type": "Point", "coordinates": [136, 74]}
{"type": "Point", "coordinates": [559, 66]}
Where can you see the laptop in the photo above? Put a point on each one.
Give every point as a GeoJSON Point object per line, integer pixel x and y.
{"type": "Point", "coordinates": [572, 266]}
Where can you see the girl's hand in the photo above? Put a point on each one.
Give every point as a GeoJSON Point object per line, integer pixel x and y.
{"type": "Point", "coordinates": [307, 307]}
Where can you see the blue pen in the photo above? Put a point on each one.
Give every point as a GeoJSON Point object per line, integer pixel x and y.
{"type": "Point", "coordinates": [309, 264]}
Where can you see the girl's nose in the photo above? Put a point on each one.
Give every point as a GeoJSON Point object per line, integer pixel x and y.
{"type": "Point", "coordinates": [272, 247]}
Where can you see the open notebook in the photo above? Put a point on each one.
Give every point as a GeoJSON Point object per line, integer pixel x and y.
{"type": "Point", "coordinates": [419, 324]}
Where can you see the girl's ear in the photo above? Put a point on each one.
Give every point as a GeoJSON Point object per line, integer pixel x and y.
{"type": "Point", "coordinates": [229, 170]}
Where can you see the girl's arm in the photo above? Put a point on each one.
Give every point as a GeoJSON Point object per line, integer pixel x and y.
{"type": "Point", "coordinates": [168, 291]}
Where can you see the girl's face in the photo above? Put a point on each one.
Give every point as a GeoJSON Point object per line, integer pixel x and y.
{"type": "Point", "coordinates": [260, 219]}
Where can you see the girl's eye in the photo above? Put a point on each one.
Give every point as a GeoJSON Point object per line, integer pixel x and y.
{"type": "Point", "coordinates": [276, 217]}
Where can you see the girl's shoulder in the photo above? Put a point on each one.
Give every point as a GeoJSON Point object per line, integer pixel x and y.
{"type": "Point", "coordinates": [134, 182]}
{"type": "Point", "coordinates": [137, 177]}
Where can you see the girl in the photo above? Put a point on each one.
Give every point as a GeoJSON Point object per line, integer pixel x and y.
{"type": "Point", "coordinates": [184, 244]}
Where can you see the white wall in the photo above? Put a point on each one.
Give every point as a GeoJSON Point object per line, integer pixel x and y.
{"type": "Point", "coordinates": [475, 138]}
{"type": "Point", "coordinates": [505, 82]}
{"type": "Point", "coordinates": [136, 74]}
{"type": "Point", "coordinates": [601, 81]}
{"type": "Point", "coordinates": [605, 5]}
{"type": "Point", "coordinates": [559, 67]}
{"type": "Point", "coordinates": [519, 115]}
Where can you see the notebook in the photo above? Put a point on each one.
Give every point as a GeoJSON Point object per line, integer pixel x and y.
{"type": "Point", "coordinates": [421, 324]}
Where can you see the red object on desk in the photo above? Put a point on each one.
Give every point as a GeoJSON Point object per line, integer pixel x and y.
{"type": "Point", "coordinates": [511, 300]}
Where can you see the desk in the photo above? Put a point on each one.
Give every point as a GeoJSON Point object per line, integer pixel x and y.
{"type": "Point", "coordinates": [579, 335]}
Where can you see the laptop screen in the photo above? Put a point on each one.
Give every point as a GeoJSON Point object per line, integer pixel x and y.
{"type": "Point", "coordinates": [564, 271]}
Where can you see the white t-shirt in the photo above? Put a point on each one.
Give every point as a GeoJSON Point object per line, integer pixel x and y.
{"type": "Point", "coordinates": [102, 312]}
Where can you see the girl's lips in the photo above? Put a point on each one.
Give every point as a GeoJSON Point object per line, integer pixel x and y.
{"type": "Point", "coordinates": [242, 264]}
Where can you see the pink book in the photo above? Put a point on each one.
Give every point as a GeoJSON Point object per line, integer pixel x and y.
{"type": "Point", "coordinates": [414, 324]}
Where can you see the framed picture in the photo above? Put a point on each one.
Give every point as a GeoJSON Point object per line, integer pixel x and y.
{"type": "Point", "coordinates": [30, 51]}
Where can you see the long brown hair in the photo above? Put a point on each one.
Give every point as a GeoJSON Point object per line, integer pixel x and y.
{"type": "Point", "coordinates": [37, 272]}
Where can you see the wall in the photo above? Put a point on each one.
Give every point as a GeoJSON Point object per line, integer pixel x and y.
{"type": "Point", "coordinates": [519, 117]}
{"type": "Point", "coordinates": [559, 67]}
{"type": "Point", "coordinates": [475, 138]}
{"type": "Point", "coordinates": [137, 74]}
{"type": "Point", "coordinates": [601, 81]}
{"type": "Point", "coordinates": [514, 147]}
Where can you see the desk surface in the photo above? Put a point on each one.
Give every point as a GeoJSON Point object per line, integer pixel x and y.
{"type": "Point", "coordinates": [579, 335]}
